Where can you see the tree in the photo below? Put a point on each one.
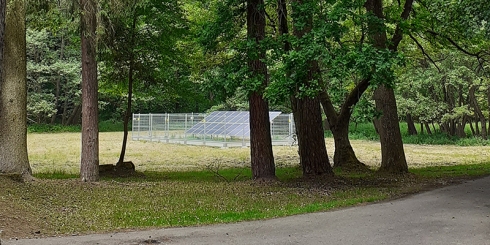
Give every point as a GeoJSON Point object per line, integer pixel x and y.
{"type": "Point", "coordinates": [53, 60]}
{"type": "Point", "coordinates": [260, 136]}
{"type": "Point", "coordinates": [53, 76]}
{"type": "Point", "coordinates": [329, 52]}
{"type": "Point", "coordinates": [3, 7]}
{"type": "Point", "coordinates": [13, 93]}
{"type": "Point", "coordinates": [89, 167]}
{"type": "Point", "coordinates": [134, 58]}
{"type": "Point", "coordinates": [393, 155]}
{"type": "Point", "coordinates": [306, 107]}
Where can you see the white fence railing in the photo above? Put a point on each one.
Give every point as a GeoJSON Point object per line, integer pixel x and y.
{"type": "Point", "coordinates": [220, 130]}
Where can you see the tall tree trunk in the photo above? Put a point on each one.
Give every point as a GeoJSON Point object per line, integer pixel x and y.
{"type": "Point", "coordinates": [311, 142]}
{"type": "Point", "coordinates": [427, 127]}
{"type": "Point", "coordinates": [488, 104]}
{"type": "Point", "coordinates": [262, 158]}
{"type": "Point", "coordinates": [75, 116]}
{"type": "Point", "coordinates": [263, 167]}
{"type": "Point", "coordinates": [3, 6]}
{"type": "Point", "coordinates": [127, 114]}
{"type": "Point", "coordinates": [411, 125]}
{"type": "Point", "coordinates": [473, 132]}
{"type": "Point", "coordinates": [460, 130]}
{"type": "Point", "coordinates": [307, 113]}
{"type": "Point", "coordinates": [89, 167]}
{"type": "Point", "coordinates": [13, 92]}
{"type": "Point", "coordinates": [344, 156]}
{"type": "Point", "coordinates": [64, 116]}
{"type": "Point", "coordinates": [393, 155]}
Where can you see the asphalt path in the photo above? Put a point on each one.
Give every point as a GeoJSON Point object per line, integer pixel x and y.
{"type": "Point", "coordinates": [457, 214]}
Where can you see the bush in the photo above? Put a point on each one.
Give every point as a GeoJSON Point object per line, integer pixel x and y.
{"type": "Point", "coordinates": [52, 128]}
{"type": "Point", "coordinates": [366, 131]}
{"type": "Point", "coordinates": [104, 126]}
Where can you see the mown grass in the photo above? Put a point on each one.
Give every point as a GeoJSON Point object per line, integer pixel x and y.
{"type": "Point", "coordinates": [183, 185]}
{"type": "Point", "coordinates": [61, 205]}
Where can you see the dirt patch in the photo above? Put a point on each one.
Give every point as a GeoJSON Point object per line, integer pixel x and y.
{"type": "Point", "coordinates": [15, 222]}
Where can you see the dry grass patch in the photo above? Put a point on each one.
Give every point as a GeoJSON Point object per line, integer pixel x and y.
{"type": "Point", "coordinates": [61, 152]}
{"type": "Point", "coordinates": [369, 152]}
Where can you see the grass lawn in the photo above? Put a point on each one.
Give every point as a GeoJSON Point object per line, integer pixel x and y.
{"type": "Point", "coordinates": [189, 185]}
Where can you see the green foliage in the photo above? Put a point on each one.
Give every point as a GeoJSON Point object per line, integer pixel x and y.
{"type": "Point", "coordinates": [104, 126]}
{"type": "Point", "coordinates": [157, 59]}
{"type": "Point", "coordinates": [52, 128]}
{"type": "Point", "coordinates": [366, 131]}
{"type": "Point", "coordinates": [56, 174]}
{"type": "Point", "coordinates": [442, 86]}
{"type": "Point", "coordinates": [53, 75]}
{"type": "Point", "coordinates": [53, 61]}
{"type": "Point", "coordinates": [452, 171]}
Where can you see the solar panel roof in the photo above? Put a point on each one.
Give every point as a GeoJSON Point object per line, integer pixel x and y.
{"type": "Point", "coordinates": [230, 123]}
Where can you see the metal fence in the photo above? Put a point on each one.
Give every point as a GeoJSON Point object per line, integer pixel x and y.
{"type": "Point", "coordinates": [179, 128]}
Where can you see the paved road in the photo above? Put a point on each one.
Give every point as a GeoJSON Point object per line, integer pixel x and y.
{"type": "Point", "coordinates": [453, 215]}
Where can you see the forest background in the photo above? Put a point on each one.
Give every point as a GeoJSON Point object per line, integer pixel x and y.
{"type": "Point", "coordinates": [185, 63]}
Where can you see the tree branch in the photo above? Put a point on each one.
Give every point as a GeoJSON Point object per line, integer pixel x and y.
{"type": "Point", "coordinates": [457, 46]}
{"type": "Point", "coordinates": [397, 37]}
{"type": "Point", "coordinates": [272, 22]}
{"type": "Point", "coordinates": [423, 52]}
{"type": "Point", "coordinates": [328, 109]}
{"type": "Point", "coordinates": [354, 96]}
{"type": "Point", "coordinates": [332, 116]}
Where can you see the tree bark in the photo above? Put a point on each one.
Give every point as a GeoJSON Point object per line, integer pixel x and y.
{"type": "Point", "coordinates": [427, 127]}
{"type": "Point", "coordinates": [473, 132]}
{"type": "Point", "coordinates": [262, 158]}
{"type": "Point", "coordinates": [393, 155]}
{"type": "Point", "coordinates": [75, 116]}
{"type": "Point", "coordinates": [411, 125]}
{"type": "Point", "coordinates": [488, 104]}
{"type": "Point", "coordinates": [307, 115]}
{"type": "Point", "coordinates": [89, 167]}
{"type": "Point", "coordinates": [311, 142]}
{"type": "Point", "coordinates": [13, 94]}
{"type": "Point", "coordinates": [344, 156]}
{"type": "Point", "coordinates": [3, 7]}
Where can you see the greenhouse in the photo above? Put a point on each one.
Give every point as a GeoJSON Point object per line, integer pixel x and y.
{"type": "Point", "coordinates": [219, 128]}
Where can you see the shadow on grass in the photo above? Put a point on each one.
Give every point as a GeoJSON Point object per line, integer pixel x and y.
{"type": "Point", "coordinates": [293, 176]}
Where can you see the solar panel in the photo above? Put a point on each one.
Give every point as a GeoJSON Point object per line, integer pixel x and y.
{"type": "Point", "coordinates": [229, 123]}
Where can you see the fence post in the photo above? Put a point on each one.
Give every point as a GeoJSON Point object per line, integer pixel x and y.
{"type": "Point", "coordinates": [167, 127]}
{"type": "Point", "coordinates": [150, 126]}
{"type": "Point", "coordinates": [291, 133]}
{"type": "Point", "coordinates": [185, 129]}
